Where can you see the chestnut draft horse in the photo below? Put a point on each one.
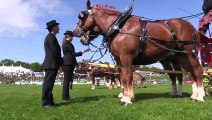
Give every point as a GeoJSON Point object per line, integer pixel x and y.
{"type": "Point", "coordinates": [107, 73]}
{"type": "Point", "coordinates": [133, 45]}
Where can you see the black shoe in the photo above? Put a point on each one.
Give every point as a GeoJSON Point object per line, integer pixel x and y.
{"type": "Point", "coordinates": [53, 103]}
{"type": "Point", "coordinates": [48, 106]}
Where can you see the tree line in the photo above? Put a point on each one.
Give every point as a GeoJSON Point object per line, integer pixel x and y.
{"type": "Point", "coordinates": [35, 67]}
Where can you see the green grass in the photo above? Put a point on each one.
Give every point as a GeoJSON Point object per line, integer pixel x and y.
{"type": "Point", "coordinates": [152, 103]}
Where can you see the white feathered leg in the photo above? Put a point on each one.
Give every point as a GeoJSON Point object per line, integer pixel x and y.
{"type": "Point", "coordinates": [200, 93]}
{"type": "Point", "coordinates": [194, 91]}
{"type": "Point", "coordinates": [121, 94]}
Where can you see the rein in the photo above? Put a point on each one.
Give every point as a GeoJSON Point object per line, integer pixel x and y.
{"type": "Point", "coordinates": [185, 17]}
{"type": "Point", "coordinates": [192, 16]}
{"type": "Point", "coordinates": [99, 48]}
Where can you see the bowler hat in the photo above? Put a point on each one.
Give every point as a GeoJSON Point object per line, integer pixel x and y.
{"type": "Point", "coordinates": [51, 23]}
{"type": "Point", "coordinates": [68, 32]}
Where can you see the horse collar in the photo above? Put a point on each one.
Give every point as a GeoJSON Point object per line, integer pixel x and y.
{"type": "Point", "coordinates": [113, 30]}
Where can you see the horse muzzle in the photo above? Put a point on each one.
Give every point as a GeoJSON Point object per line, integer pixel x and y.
{"type": "Point", "coordinates": [84, 42]}
{"type": "Point", "coordinates": [77, 33]}
{"type": "Point", "coordinates": [84, 39]}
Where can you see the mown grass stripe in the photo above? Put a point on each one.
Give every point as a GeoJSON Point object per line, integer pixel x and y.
{"type": "Point", "coordinates": [152, 103]}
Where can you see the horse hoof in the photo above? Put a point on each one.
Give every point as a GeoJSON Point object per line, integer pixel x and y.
{"type": "Point", "coordinates": [124, 104]}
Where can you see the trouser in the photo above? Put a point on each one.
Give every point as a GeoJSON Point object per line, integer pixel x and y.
{"type": "Point", "coordinates": [68, 77]}
{"type": "Point", "coordinates": [48, 84]}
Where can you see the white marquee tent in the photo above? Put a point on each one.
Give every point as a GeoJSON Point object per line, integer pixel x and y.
{"type": "Point", "coordinates": [14, 69]}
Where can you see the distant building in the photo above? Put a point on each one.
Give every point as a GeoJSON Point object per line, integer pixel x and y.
{"type": "Point", "coordinates": [14, 69]}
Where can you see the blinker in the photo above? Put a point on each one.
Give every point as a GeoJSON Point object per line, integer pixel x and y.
{"type": "Point", "coordinates": [81, 15]}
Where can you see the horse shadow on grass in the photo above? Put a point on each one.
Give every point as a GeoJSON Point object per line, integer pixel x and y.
{"type": "Point", "coordinates": [138, 97]}
{"type": "Point", "coordinates": [146, 96]}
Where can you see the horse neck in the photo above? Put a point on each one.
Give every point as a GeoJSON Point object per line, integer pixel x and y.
{"type": "Point", "coordinates": [104, 18]}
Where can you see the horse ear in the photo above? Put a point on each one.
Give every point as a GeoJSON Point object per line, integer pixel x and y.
{"type": "Point", "coordinates": [88, 5]}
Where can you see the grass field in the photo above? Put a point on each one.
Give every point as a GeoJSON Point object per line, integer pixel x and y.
{"type": "Point", "coordinates": [152, 103]}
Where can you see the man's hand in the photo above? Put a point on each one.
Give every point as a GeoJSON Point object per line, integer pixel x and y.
{"type": "Point", "coordinates": [86, 50]}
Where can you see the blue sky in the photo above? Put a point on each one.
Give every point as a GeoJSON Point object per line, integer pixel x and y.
{"type": "Point", "coordinates": [23, 22]}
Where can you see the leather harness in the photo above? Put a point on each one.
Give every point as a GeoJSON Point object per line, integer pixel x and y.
{"type": "Point", "coordinates": [114, 29]}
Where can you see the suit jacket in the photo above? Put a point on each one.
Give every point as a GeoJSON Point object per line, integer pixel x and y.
{"type": "Point", "coordinates": [70, 55]}
{"type": "Point", "coordinates": [53, 57]}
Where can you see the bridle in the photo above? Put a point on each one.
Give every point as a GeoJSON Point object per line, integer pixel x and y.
{"type": "Point", "coordinates": [88, 32]}
{"type": "Point", "coordinates": [82, 30]}
{"type": "Point", "coordinates": [83, 16]}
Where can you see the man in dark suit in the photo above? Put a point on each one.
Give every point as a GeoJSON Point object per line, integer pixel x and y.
{"type": "Point", "coordinates": [51, 64]}
{"type": "Point", "coordinates": [70, 62]}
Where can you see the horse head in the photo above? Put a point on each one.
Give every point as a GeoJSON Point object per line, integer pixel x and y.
{"type": "Point", "coordinates": [86, 28]}
{"type": "Point", "coordinates": [94, 21]}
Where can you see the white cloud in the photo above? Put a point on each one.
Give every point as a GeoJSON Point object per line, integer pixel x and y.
{"type": "Point", "coordinates": [19, 17]}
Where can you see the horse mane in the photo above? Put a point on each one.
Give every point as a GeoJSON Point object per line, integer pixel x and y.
{"type": "Point", "coordinates": [108, 11]}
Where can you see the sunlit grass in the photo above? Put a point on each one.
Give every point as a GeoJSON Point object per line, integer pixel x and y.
{"type": "Point", "coordinates": [152, 103]}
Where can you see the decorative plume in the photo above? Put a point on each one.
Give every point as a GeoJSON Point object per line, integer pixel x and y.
{"type": "Point", "coordinates": [106, 6]}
